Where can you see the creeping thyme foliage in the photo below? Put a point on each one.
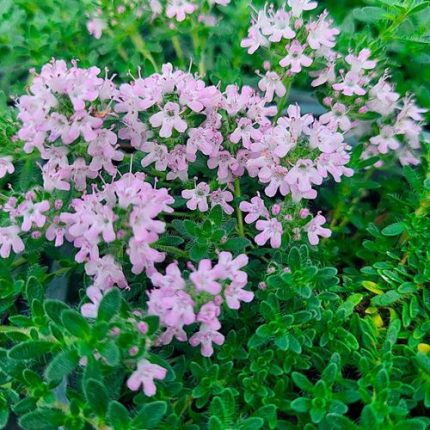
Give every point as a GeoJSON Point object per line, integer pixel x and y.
{"type": "Point", "coordinates": [214, 216]}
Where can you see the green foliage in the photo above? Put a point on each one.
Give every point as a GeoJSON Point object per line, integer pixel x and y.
{"type": "Point", "coordinates": [337, 338]}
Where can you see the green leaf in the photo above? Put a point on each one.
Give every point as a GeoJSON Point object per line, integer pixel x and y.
{"type": "Point", "coordinates": [96, 396]}
{"type": "Point", "coordinates": [394, 229]}
{"type": "Point", "coordinates": [110, 353]}
{"type": "Point", "coordinates": [109, 306]}
{"type": "Point", "coordinates": [253, 423]}
{"type": "Point", "coordinates": [294, 260]}
{"type": "Point", "coordinates": [216, 215]}
{"type": "Point", "coordinates": [419, 7]}
{"type": "Point", "coordinates": [237, 244]}
{"type": "Point", "coordinates": [215, 424]}
{"type": "Point", "coordinates": [386, 299]}
{"type": "Point", "coordinates": [54, 309]}
{"type": "Point", "coordinates": [370, 14]}
{"type": "Point", "coordinates": [42, 419]}
{"type": "Point", "coordinates": [4, 416]}
{"type": "Point", "coordinates": [118, 416]}
{"type": "Point", "coordinates": [34, 289]}
{"type": "Point", "coordinates": [30, 349]}
{"type": "Point", "coordinates": [198, 252]}
{"type": "Point", "coordinates": [62, 365]}
{"type": "Point", "coordinates": [302, 382]}
{"type": "Point", "coordinates": [301, 404]}
{"type": "Point", "coordinates": [150, 415]}
{"type": "Point", "coordinates": [75, 324]}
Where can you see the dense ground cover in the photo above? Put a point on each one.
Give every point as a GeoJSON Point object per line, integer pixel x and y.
{"type": "Point", "coordinates": [214, 215]}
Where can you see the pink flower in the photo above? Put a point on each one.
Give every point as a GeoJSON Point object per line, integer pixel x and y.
{"type": "Point", "coordinates": [245, 132]}
{"type": "Point", "coordinates": [255, 209]}
{"type": "Point", "coordinates": [295, 122]}
{"type": "Point", "coordinates": [222, 198]}
{"type": "Point", "coordinates": [172, 279]}
{"type": "Point", "coordinates": [352, 84]}
{"type": "Point", "coordinates": [33, 213]}
{"type": "Point", "coordinates": [334, 163]}
{"type": "Point", "coordinates": [386, 140]}
{"type": "Point", "coordinates": [95, 27]}
{"type": "Point", "coordinates": [143, 257]}
{"type": "Point", "coordinates": [295, 58]}
{"type": "Point", "coordinates": [144, 375]}
{"type": "Point", "coordinates": [276, 177]}
{"type": "Point", "coordinates": [6, 166]}
{"type": "Point", "coordinates": [314, 229]}
{"type": "Point", "coordinates": [361, 62]}
{"type": "Point", "coordinates": [197, 197]}
{"type": "Point", "coordinates": [205, 337]}
{"type": "Point", "coordinates": [155, 153]}
{"type": "Point", "coordinates": [205, 278]}
{"type": "Point", "coordinates": [278, 27]}
{"type": "Point", "coordinates": [337, 117]}
{"type": "Point", "coordinates": [178, 308]}
{"type": "Point", "coordinates": [256, 38]}
{"type": "Point", "coordinates": [90, 310]}
{"type": "Point", "coordinates": [209, 314]}
{"type": "Point", "coordinates": [229, 267]}
{"type": "Point", "coordinates": [321, 34]}
{"type": "Point", "coordinates": [10, 240]}
{"type": "Point", "coordinates": [270, 230]}
{"type": "Point", "coordinates": [226, 163]}
{"type": "Point", "coordinates": [271, 84]}
{"type": "Point", "coordinates": [382, 97]}
{"type": "Point", "coordinates": [179, 9]}
{"type": "Point", "coordinates": [168, 119]}
{"type": "Point", "coordinates": [303, 175]}
{"type": "Point", "coordinates": [298, 6]}
{"type": "Point", "coordinates": [234, 294]}
{"type": "Point", "coordinates": [325, 75]}
{"type": "Point", "coordinates": [106, 273]}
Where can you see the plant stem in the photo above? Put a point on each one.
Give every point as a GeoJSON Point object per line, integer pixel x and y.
{"type": "Point", "coordinates": [288, 82]}
{"type": "Point", "coordinates": [140, 45]}
{"type": "Point", "coordinates": [178, 49]}
{"type": "Point", "coordinates": [197, 48]}
{"type": "Point", "coordinates": [237, 194]}
{"type": "Point", "coordinates": [170, 249]}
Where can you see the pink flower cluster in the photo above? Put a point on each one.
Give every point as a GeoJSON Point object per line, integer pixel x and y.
{"type": "Point", "coordinates": [354, 85]}
{"type": "Point", "coordinates": [106, 15]}
{"type": "Point", "coordinates": [300, 42]}
{"type": "Point", "coordinates": [199, 196]}
{"type": "Point", "coordinates": [297, 153]}
{"type": "Point", "coordinates": [180, 302]}
{"type": "Point", "coordinates": [271, 225]}
{"type": "Point", "coordinates": [399, 121]}
{"type": "Point", "coordinates": [77, 119]}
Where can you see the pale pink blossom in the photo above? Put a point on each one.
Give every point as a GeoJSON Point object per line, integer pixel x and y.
{"type": "Point", "coordinates": [197, 197]}
{"type": "Point", "coordinates": [295, 58]}
{"type": "Point", "coordinates": [168, 119]}
{"type": "Point", "coordinates": [298, 6]}
{"type": "Point", "coordinates": [179, 9]}
{"type": "Point", "coordinates": [205, 278]}
{"type": "Point", "coordinates": [205, 337]}
{"type": "Point", "coordinates": [271, 84]}
{"type": "Point", "coordinates": [270, 230]}
{"type": "Point", "coordinates": [314, 229]}
{"type": "Point", "coordinates": [10, 240]}
{"type": "Point", "coordinates": [256, 209]}
{"type": "Point", "coordinates": [222, 198]}
{"type": "Point", "coordinates": [6, 166]}
{"type": "Point", "coordinates": [144, 375]}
